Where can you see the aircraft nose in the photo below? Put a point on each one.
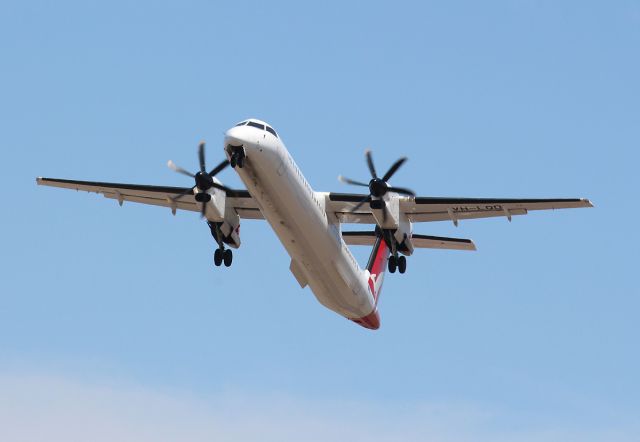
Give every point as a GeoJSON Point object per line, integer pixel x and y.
{"type": "Point", "coordinates": [236, 136]}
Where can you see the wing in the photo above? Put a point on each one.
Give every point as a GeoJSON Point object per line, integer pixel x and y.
{"type": "Point", "coordinates": [240, 200]}
{"type": "Point", "coordinates": [368, 238]}
{"type": "Point", "coordinates": [426, 209]}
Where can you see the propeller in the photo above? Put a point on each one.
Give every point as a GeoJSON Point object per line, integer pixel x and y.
{"type": "Point", "coordinates": [204, 180]}
{"type": "Point", "coordinates": [378, 187]}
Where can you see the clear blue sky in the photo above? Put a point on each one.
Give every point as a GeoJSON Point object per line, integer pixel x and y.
{"type": "Point", "coordinates": [114, 323]}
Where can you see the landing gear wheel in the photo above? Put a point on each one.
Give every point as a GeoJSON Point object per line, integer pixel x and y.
{"type": "Point", "coordinates": [233, 162]}
{"type": "Point", "coordinates": [393, 264]}
{"type": "Point", "coordinates": [217, 257]}
{"type": "Point", "coordinates": [402, 264]}
{"type": "Point", "coordinates": [227, 256]}
{"type": "Point", "coordinates": [240, 161]}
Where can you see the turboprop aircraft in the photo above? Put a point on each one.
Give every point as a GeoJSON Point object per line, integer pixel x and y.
{"type": "Point", "coordinates": [308, 223]}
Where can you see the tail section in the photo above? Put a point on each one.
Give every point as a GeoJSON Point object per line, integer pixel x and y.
{"type": "Point", "coordinates": [377, 265]}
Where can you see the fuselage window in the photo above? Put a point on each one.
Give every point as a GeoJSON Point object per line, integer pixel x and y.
{"type": "Point", "coordinates": [270, 130]}
{"type": "Point", "coordinates": [256, 125]}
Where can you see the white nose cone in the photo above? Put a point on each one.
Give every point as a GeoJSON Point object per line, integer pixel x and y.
{"type": "Point", "coordinates": [237, 135]}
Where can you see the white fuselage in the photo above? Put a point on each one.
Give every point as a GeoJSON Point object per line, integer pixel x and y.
{"type": "Point", "coordinates": [296, 213]}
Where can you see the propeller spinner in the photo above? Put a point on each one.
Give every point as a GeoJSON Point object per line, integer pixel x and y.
{"type": "Point", "coordinates": [378, 187]}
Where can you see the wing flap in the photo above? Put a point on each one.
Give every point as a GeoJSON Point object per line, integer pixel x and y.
{"type": "Point", "coordinates": [182, 204]}
{"type": "Point", "coordinates": [367, 238]}
{"type": "Point", "coordinates": [246, 213]}
{"type": "Point", "coordinates": [419, 217]}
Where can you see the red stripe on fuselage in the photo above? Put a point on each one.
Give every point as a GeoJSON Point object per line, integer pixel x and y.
{"type": "Point", "coordinates": [378, 267]}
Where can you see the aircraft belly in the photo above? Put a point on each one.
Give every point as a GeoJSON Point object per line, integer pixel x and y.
{"type": "Point", "coordinates": [300, 223]}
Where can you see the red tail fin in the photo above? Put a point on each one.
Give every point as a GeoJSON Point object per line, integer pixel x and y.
{"type": "Point", "coordinates": [377, 265]}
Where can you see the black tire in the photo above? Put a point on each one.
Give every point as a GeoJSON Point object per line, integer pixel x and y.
{"type": "Point", "coordinates": [402, 264]}
{"type": "Point", "coordinates": [217, 257]}
{"type": "Point", "coordinates": [240, 162]}
{"type": "Point", "coordinates": [227, 257]}
{"type": "Point", "coordinates": [392, 264]}
{"type": "Point", "coordinates": [233, 161]}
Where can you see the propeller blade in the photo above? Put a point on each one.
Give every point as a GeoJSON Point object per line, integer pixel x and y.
{"type": "Point", "coordinates": [394, 167]}
{"type": "Point", "coordinates": [372, 168]}
{"type": "Point", "coordinates": [179, 169]}
{"type": "Point", "coordinates": [203, 167]}
{"type": "Point", "coordinates": [185, 193]}
{"type": "Point", "coordinates": [221, 187]}
{"type": "Point", "coordinates": [203, 210]}
{"type": "Point", "coordinates": [357, 206]}
{"type": "Point", "coordinates": [216, 170]}
{"type": "Point", "coordinates": [402, 190]}
{"type": "Point", "coordinates": [384, 213]}
{"type": "Point", "coordinates": [350, 181]}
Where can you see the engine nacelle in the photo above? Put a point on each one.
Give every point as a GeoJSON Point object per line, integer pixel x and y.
{"type": "Point", "coordinates": [226, 233]}
{"type": "Point", "coordinates": [406, 245]}
{"type": "Point", "coordinates": [225, 222]}
{"type": "Point", "coordinates": [395, 222]}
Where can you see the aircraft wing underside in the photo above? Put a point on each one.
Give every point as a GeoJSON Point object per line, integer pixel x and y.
{"type": "Point", "coordinates": [417, 209]}
{"type": "Point", "coordinates": [241, 201]}
{"type": "Point", "coordinates": [426, 209]}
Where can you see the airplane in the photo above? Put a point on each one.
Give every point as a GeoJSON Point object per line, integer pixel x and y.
{"type": "Point", "coordinates": [308, 223]}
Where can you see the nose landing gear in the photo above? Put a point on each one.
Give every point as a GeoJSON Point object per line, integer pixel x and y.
{"type": "Point", "coordinates": [237, 156]}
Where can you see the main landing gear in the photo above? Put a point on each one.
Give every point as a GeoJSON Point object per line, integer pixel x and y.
{"type": "Point", "coordinates": [223, 255]}
{"type": "Point", "coordinates": [397, 262]}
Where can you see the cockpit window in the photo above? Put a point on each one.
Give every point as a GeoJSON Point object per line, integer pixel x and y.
{"type": "Point", "coordinates": [241, 124]}
{"type": "Point", "coordinates": [270, 130]}
{"type": "Point", "coordinates": [256, 125]}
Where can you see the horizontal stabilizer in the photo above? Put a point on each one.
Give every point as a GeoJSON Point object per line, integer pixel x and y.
{"type": "Point", "coordinates": [441, 242]}
{"type": "Point", "coordinates": [368, 238]}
